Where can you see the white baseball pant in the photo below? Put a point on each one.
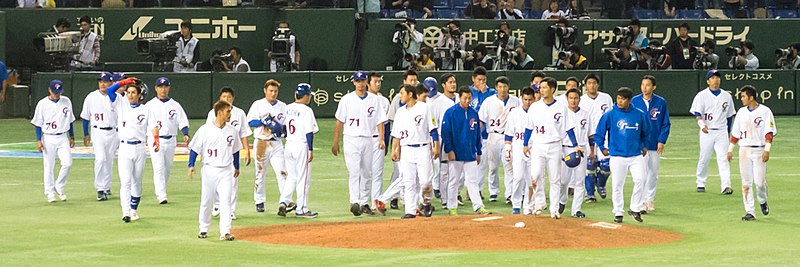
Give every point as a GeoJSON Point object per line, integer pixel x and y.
{"type": "Point", "coordinates": [547, 156]}
{"type": "Point", "coordinates": [443, 177]}
{"type": "Point", "coordinates": [415, 164]}
{"type": "Point", "coordinates": [215, 180]}
{"type": "Point", "coordinates": [377, 169]}
{"type": "Point", "coordinates": [483, 166]}
{"type": "Point", "coordinates": [469, 169]}
{"type": "Point", "coordinates": [358, 151]}
{"type": "Point", "coordinates": [104, 144]}
{"type": "Point", "coordinates": [395, 180]}
{"type": "Point", "coordinates": [716, 140]}
{"type": "Point", "coordinates": [752, 169]}
{"type": "Point", "coordinates": [131, 168]}
{"type": "Point", "coordinates": [55, 145]}
{"type": "Point", "coordinates": [162, 164]}
{"type": "Point", "coordinates": [268, 152]}
{"type": "Point", "coordinates": [619, 170]}
{"type": "Point", "coordinates": [521, 180]}
{"type": "Point", "coordinates": [652, 163]}
{"type": "Point", "coordinates": [569, 176]}
{"type": "Point", "coordinates": [299, 175]}
{"type": "Point", "coordinates": [496, 143]}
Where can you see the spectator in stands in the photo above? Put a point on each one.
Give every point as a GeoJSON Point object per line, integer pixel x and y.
{"type": "Point", "coordinates": [523, 61]}
{"type": "Point", "coordinates": [409, 40]}
{"type": "Point", "coordinates": [425, 61]}
{"type": "Point", "coordinates": [706, 59]}
{"type": "Point", "coordinates": [682, 49]}
{"type": "Point", "coordinates": [31, 3]}
{"type": "Point", "coordinates": [575, 10]}
{"type": "Point", "coordinates": [553, 12]}
{"type": "Point", "coordinates": [790, 62]}
{"type": "Point", "coordinates": [451, 39]}
{"type": "Point", "coordinates": [424, 7]}
{"type": "Point", "coordinates": [238, 64]}
{"type": "Point", "coordinates": [746, 59]}
{"type": "Point", "coordinates": [89, 47]}
{"type": "Point", "coordinates": [654, 57]}
{"type": "Point", "coordinates": [479, 59]}
{"type": "Point", "coordinates": [539, 5]}
{"type": "Point", "coordinates": [669, 8]}
{"type": "Point", "coordinates": [481, 9]}
{"type": "Point", "coordinates": [622, 58]}
{"type": "Point", "coordinates": [508, 11]}
{"type": "Point", "coordinates": [574, 60]}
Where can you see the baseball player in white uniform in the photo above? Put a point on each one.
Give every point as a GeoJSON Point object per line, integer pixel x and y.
{"type": "Point", "coordinates": [219, 144]}
{"type": "Point", "coordinates": [713, 109]}
{"type": "Point", "coordinates": [753, 129]}
{"type": "Point", "coordinates": [596, 103]}
{"type": "Point", "coordinates": [100, 128]}
{"type": "Point", "coordinates": [239, 122]}
{"type": "Point", "coordinates": [513, 151]}
{"type": "Point", "coordinates": [409, 78]}
{"type": "Point", "coordinates": [546, 130]}
{"type": "Point", "coordinates": [169, 118]}
{"type": "Point", "coordinates": [374, 87]}
{"type": "Point", "coordinates": [53, 119]}
{"type": "Point", "coordinates": [438, 107]}
{"type": "Point", "coordinates": [359, 114]}
{"type": "Point", "coordinates": [134, 122]}
{"type": "Point", "coordinates": [301, 125]}
{"type": "Point", "coordinates": [267, 145]}
{"type": "Point", "coordinates": [493, 115]}
{"type": "Point", "coordinates": [579, 121]}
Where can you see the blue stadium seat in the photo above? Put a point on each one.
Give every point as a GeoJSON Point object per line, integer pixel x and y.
{"type": "Point", "coordinates": [535, 14]}
{"type": "Point", "coordinates": [783, 13]}
{"type": "Point", "coordinates": [441, 4]}
{"type": "Point", "coordinates": [385, 13]}
{"type": "Point", "coordinates": [448, 13]}
{"type": "Point", "coordinates": [460, 3]}
{"type": "Point", "coordinates": [645, 14]}
{"type": "Point", "coordinates": [690, 14]}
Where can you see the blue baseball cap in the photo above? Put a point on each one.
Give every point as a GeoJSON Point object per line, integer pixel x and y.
{"type": "Point", "coordinates": [430, 84]}
{"type": "Point", "coordinates": [106, 77]}
{"type": "Point", "coordinates": [359, 75]}
{"type": "Point", "coordinates": [56, 86]}
{"type": "Point", "coordinates": [118, 76]}
{"type": "Point", "coordinates": [303, 89]}
{"type": "Point", "coordinates": [712, 73]}
{"type": "Point", "coordinates": [162, 81]}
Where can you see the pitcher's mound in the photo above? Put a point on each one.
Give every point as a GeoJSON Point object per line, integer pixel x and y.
{"type": "Point", "coordinates": [495, 232]}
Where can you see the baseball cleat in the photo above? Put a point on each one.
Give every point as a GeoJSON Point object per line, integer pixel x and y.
{"type": "Point", "coordinates": [701, 189]}
{"type": "Point", "coordinates": [51, 198]}
{"type": "Point", "coordinates": [409, 216]}
{"type": "Point", "coordinates": [437, 193]}
{"type": "Point", "coordinates": [62, 196]}
{"type": "Point", "coordinates": [233, 216]}
{"type": "Point", "coordinates": [215, 212]}
{"type": "Point", "coordinates": [227, 237]}
{"type": "Point", "coordinates": [453, 212]}
{"type": "Point", "coordinates": [508, 200]}
{"type": "Point", "coordinates": [492, 198]}
{"type": "Point", "coordinates": [444, 206]}
{"type": "Point", "coordinates": [291, 206]}
{"type": "Point", "coordinates": [102, 196]}
{"type": "Point", "coordinates": [591, 199]}
{"type": "Point", "coordinates": [282, 210]}
{"type": "Point", "coordinates": [427, 210]}
{"type": "Point", "coordinates": [202, 235]}
{"type": "Point", "coordinates": [618, 219]}
{"type": "Point", "coordinates": [561, 208]}
{"type": "Point", "coordinates": [537, 212]}
{"type": "Point", "coordinates": [460, 201]}
{"type": "Point", "coordinates": [365, 209]}
{"type": "Point", "coordinates": [602, 192]}
{"type": "Point", "coordinates": [482, 211]}
{"type": "Point", "coordinates": [355, 209]}
{"type": "Point", "coordinates": [749, 217]}
{"type": "Point", "coordinates": [579, 214]}
{"type": "Point", "coordinates": [727, 191]}
{"type": "Point", "coordinates": [108, 192]}
{"type": "Point", "coordinates": [126, 219]}
{"type": "Point", "coordinates": [555, 216]}
{"type": "Point", "coordinates": [515, 211]}
{"type": "Point", "coordinates": [394, 204]}
{"type": "Point", "coordinates": [636, 215]}
{"type": "Point", "coordinates": [260, 207]}
{"type": "Point", "coordinates": [765, 209]}
{"type": "Point", "coordinates": [162, 202]}
{"type": "Point", "coordinates": [380, 207]}
{"type": "Point", "coordinates": [134, 215]}
{"type": "Point", "coordinates": [307, 215]}
{"type": "Point", "coordinates": [643, 212]}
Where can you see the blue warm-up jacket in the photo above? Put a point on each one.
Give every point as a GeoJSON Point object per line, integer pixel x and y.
{"type": "Point", "coordinates": [461, 133]}
{"type": "Point", "coordinates": [657, 119]}
{"type": "Point", "coordinates": [627, 131]}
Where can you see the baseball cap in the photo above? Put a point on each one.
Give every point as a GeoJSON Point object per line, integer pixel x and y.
{"type": "Point", "coordinates": [106, 76]}
{"type": "Point", "coordinates": [118, 76]}
{"type": "Point", "coordinates": [56, 86]}
{"type": "Point", "coordinates": [162, 81]}
{"type": "Point", "coordinates": [712, 73]}
{"type": "Point", "coordinates": [303, 89]}
{"type": "Point", "coordinates": [359, 75]}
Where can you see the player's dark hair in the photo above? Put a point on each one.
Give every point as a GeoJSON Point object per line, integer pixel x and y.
{"type": "Point", "coordinates": [625, 92]}
{"type": "Point", "coordinates": [684, 25]}
{"type": "Point", "coordinates": [464, 90]}
{"type": "Point", "coordinates": [272, 82]}
{"type": "Point", "coordinates": [651, 78]}
{"type": "Point", "coordinates": [479, 71]}
{"type": "Point", "coordinates": [409, 73]}
{"type": "Point", "coordinates": [502, 79]}
{"type": "Point", "coordinates": [575, 79]}
{"type": "Point", "coordinates": [522, 47]}
{"type": "Point", "coordinates": [373, 74]}
{"type": "Point", "coordinates": [551, 82]}
{"type": "Point", "coordinates": [573, 90]}
{"type": "Point", "coordinates": [537, 73]}
{"type": "Point", "coordinates": [410, 90]}
{"type": "Point", "coordinates": [220, 106]}
{"type": "Point", "coordinates": [186, 24]}
{"type": "Point", "coordinates": [749, 90]}
{"type": "Point", "coordinates": [446, 77]}
{"type": "Point", "coordinates": [86, 19]}
{"type": "Point", "coordinates": [421, 89]}
{"type": "Point", "coordinates": [749, 44]}
{"type": "Point", "coordinates": [528, 91]}
{"type": "Point", "coordinates": [591, 76]}
{"type": "Point", "coordinates": [63, 22]}
{"type": "Point", "coordinates": [226, 89]}
{"type": "Point", "coordinates": [237, 49]}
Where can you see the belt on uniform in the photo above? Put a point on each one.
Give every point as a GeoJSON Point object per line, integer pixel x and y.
{"type": "Point", "coordinates": [715, 129]}
{"type": "Point", "coordinates": [165, 137]}
{"type": "Point", "coordinates": [417, 145]}
{"type": "Point", "coordinates": [55, 133]}
{"type": "Point", "coordinates": [103, 128]}
{"type": "Point", "coordinates": [376, 136]}
{"type": "Point", "coordinates": [567, 146]}
{"type": "Point", "coordinates": [131, 142]}
{"type": "Point", "coordinates": [753, 146]}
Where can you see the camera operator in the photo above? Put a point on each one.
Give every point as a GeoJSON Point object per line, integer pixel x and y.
{"type": "Point", "coordinates": [481, 9]}
{"type": "Point", "coordinates": [682, 49]}
{"type": "Point", "coordinates": [654, 57]}
{"type": "Point", "coordinates": [522, 60]}
{"type": "Point", "coordinates": [409, 40]}
{"type": "Point", "coordinates": [706, 59]}
{"type": "Point", "coordinates": [425, 61]}
{"type": "Point", "coordinates": [742, 57]}
{"type": "Point", "coordinates": [215, 63]}
{"type": "Point", "coordinates": [451, 40]}
{"type": "Point", "coordinates": [290, 46]}
{"type": "Point", "coordinates": [505, 44]}
{"type": "Point", "coordinates": [237, 62]}
{"type": "Point", "coordinates": [621, 58]}
{"type": "Point", "coordinates": [638, 38]}
{"type": "Point", "coordinates": [572, 59]}
{"type": "Point", "coordinates": [89, 47]}
{"type": "Point", "coordinates": [561, 35]}
{"type": "Point", "coordinates": [478, 58]}
{"type": "Point", "coordinates": [788, 58]}
{"type": "Point", "coordinates": [508, 11]}
{"type": "Point", "coordinates": [188, 51]}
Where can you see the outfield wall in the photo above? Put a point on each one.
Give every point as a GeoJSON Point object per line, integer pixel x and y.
{"type": "Point", "coordinates": [197, 91]}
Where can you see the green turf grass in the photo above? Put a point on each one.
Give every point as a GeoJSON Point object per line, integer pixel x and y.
{"type": "Point", "coordinates": [85, 232]}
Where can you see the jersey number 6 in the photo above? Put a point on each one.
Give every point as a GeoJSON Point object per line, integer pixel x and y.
{"type": "Point", "coordinates": [291, 126]}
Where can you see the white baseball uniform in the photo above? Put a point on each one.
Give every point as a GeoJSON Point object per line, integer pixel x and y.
{"type": "Point", "coordinates": [521, 177]}
{"type": "Point", "coordinates": [134, 123]}
{"type": "Point", "coordinates": [715, 110]}
{"type": "Point", "coordinates": [267, 147]}
{"type": "Point", "coordinates": [549, 126]}
{"type": "Point", "coordinates": [99, 111]}
{"type": "Point", "coordinates": [55, 118]}
{"type": "Point", "coordinates": [300, 121]}
{"type": "Point", "coordinates": [413, 127]}
{"type": "Point", "coordinates": [378, 158]}
{"type": "Point", "coordinates": [580, 123]}
{"type": "Point", "coordinates": [169, 117]}
{"type": "Point", "coordinates": [239, 122]}
{"type": "Point", "coordinates": [217, 146]}
{"type": "Point", "coordinates": [751, 128]}
{"type": "Point", "coordinates": [493, 114]}
{"type": "Point", "coordinates": [596, 107]}
{"type": "Point", "coordinates": [438, 107]}
{"type": "Point", "coordinates": [390, 113]}
{"type": "Point", "coordinates": [361, 117]}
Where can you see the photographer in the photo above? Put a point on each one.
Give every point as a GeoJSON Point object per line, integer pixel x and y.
{"type": "Point", "coordinates": [742, 57]}
{"type": "Point", "coordinates": [215, 63]}
{"type": "Point", "coordinates": [89, 47]}
{"type": "Point", "coordinates": [522, 60]}
{"type": "Point", "coordinates": [425, 61]}
{"type": "Point", "coordinates": [451, 40]}
{"type": "Point", "coordinates": [285, 50]}
{"type": "Point", "coordinates": [481, 9]}
{"type": "Point", "coordinates": [706, 59]}
{"type": "Point", "coordinates": [188, 51]}
{"type": "Point", "coordinates": [621, 58]}
{"type": "Point", "coordinates": [788, 58]}
{"type": "Point", "coordinates": [682, 50]}
{"type": "Point", "coordinates": [654, 57]}
{"type": "Point", "coordinates": [559, 37]}
{"type": "Point", "coordinates": [572, 59]}
{"type": "Point", "coordinates": [505, 44]}
{"type": "Point", "coordinates": [478, 58]}
{"type": "Point", "coordinates": [638, 39]}
{"type": "Point", "coordinates": [237, 63]}
{"type": "Point", "coordinates": [508, 12]}
{"type": "Point", "coordinates": [409, 40]}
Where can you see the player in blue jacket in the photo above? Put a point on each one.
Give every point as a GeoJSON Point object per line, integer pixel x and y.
{"type": "Point", "coordinates": [655, 108]}
{"type": "Point", "coordinates": [462, 143]}
{"type": "Point", "coordinates": [627, 130]}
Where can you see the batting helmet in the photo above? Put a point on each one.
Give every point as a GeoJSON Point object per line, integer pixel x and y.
{"type": "Point", "coordinates": [274, 126]}
{"type": "Point", "coordinates": [144, 88]}
{"type": "Point", "coordinates": [573, 159]}
{"type": "Point", "coordinates": [430, 84]}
